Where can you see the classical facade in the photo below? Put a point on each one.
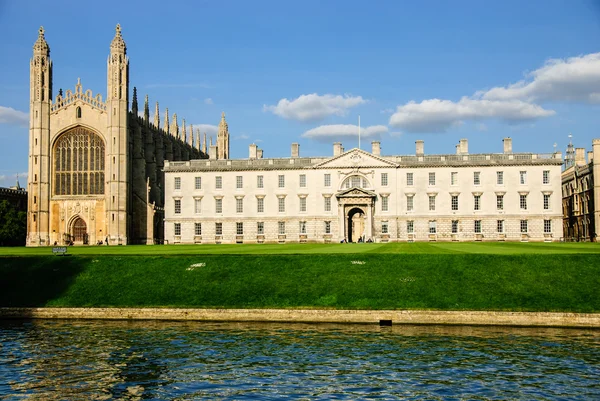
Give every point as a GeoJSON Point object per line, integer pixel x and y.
{"type": "Point", "coordinates": [580, 193]}
{"type": "Point", "coordinates": [357, 195]}
{"type": "Point", "coordinates": [95, 165]}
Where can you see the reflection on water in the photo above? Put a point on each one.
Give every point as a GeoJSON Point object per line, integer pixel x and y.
{"type": "Point", "coordinates": [97, 360]}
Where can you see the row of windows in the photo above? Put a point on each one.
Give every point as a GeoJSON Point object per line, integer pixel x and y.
{"type": "Point", "coordinates": [260, 228]}
{"type": "Point", "coordinates": [239, 205]}
{"type": "Point", "coordinates": [361, 182]}
{"type": "Point", "coordinates": [281, 206]}
{"type": "Point", "coordinates": [477, 227]}
{"type": "Point", "coordinates": [410, 227]}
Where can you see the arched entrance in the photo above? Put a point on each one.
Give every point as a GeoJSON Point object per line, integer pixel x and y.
{"type": "Point", "coordinates": [356, 224]}
{"type": "Point", "coordinates": [79, 231]}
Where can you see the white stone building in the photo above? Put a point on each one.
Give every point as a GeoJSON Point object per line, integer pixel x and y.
{"type": "Point", "coordinates": [358, 195]}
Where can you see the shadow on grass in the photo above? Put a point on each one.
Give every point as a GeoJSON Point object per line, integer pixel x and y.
{"type": "Point", "coordinates": [34, 281]}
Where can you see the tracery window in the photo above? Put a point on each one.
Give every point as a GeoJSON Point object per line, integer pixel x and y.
{"type": "Point", "coordinates": [79, 163]}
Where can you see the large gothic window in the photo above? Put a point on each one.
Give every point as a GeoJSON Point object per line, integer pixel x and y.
{"type": "Point", "coordinates": [79, 163]}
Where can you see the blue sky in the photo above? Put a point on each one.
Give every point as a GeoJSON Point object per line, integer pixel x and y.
{"type": "Point", "coordinates": [303, 71]}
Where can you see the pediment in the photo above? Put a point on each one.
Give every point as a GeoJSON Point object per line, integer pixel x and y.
{"type": "Point", "coordinates": [355, 192]}
{"type": "Point", "coordinates": [355, 158]}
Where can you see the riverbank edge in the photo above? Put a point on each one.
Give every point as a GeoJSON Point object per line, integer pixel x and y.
{"type": "Point", "coordinates": [409, 317]}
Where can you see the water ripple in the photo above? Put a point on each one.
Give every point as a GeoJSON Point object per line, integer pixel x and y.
{"type": "Point", "coordinates": [90, 360]}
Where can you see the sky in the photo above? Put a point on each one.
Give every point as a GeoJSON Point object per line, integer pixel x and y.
{"type": "Point", "coordinates": [304, 71]}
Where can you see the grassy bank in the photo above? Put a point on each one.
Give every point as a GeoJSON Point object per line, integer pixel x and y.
{"type": "Point", "coordinates": [449, 280]}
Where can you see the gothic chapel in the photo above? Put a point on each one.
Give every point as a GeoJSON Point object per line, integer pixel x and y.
{"type": "Point", "coordinates": [96, 166]}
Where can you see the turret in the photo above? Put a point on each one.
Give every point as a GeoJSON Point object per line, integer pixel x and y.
{"type": "Point", "coordinates": [174, 127]}
{"type": "Point", "coordinates": [118, 142]}
{"type": "Point", "coordinates": [166, 126]}
{"type": "Point", "coordinates": [146, 111]}
{"type": "Point", "coordinates": [223, 139]}
{"type": "Point", "coordinates": [156, 117]}
{"type": "Point", "coordinates": [38, 181]}
{"type": "Point", "coordinates": [134, 103]}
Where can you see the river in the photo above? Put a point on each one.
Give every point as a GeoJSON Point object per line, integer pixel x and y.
{"type": "Point", "coordinates": [101, 360]}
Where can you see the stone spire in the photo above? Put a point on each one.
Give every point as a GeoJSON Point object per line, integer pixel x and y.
{"type": "Point", "coordinates": [211, 140]}
{"type": "Point", "coordinates": [157, 117]}
{"type": "Point", "coordinates": [166, 126]}
{"type": "Point", "coordinates": [118, 44]}
{"type": "Point", "coordinates": [174, 127]}
{"type": "Point", "coordinates": [191, 136]}
{"type": "Point", "coordinates": [198, 138]}
{"type": "Point", "coordinates": [134, 104]}
{"type": "Point", "coordinates": [204, 143]}
{"type": "Point", "coordinates": [183, 132]}
{"type": "Point", "coordinates": [40, 46]}
{"type": "Point", "coordinates": [223, 139]}
{"type": "Point", "coordinates": [146, 111]}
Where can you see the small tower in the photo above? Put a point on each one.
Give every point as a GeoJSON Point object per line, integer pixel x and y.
{"type": "Point", "coordinates": [570, 154]}
{"type": "Point", "coordinates": [223, 139]}
{"type": "Point", "coordinates": [38, 181]}
{"type": "Point", "coordinates": [156, 117]}
{"type": "Point", "coordinates": [117, 102]}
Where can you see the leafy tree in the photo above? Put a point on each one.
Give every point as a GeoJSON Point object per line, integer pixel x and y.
{"type": "Point", "coordinates": [13, 225]}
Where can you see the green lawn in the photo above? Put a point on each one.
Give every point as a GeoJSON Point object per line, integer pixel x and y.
{"type": "Point", "coordinates": [495, 248]}
{"type": "Point", "coordinates": [421, 275]}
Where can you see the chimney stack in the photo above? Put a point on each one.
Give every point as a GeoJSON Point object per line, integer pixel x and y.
{"type": "Point", "coordinates": [259, 153]}
{"type": "Point", "coordinates": [337, 149]}
{"type": "Point", "coordinates": [464, 146]}
{"type": "Point", "coordinates": [580, 156]}
{"type": "Point", "coordinates": [457, 149]}
{"type": "Point", "coordinates": [507, 142]}
{"type": "Point", "coordinates": [295, 149]}
{"type": "Point", "coordinates": [252, 151]}
{"type": "Point", "coordinates": [212, 152]}
{"type": "Point", "coordinates": [590, 156]}
{"type": "Point", "coordinates": [376, 148]}
{"type": "Point", "coordinates": [420, 147]}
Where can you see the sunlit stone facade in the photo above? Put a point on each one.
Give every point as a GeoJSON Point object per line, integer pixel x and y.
{"type": "Point", "coordinates": [95, 165]}
{"type": "Point", "coordinates": [358, 195]}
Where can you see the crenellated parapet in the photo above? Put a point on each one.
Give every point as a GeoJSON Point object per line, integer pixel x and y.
{"type": "Point", "coordinates": [61, 102]}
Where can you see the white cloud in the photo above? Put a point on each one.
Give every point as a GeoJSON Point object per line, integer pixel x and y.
{"type": "Point", "coordinates": [243, 136]}
{"type": "Point", "coordinates": [314, 107]}
{"type": "Point", "coordinates": [8, 115]}
{"type": "Point", "coordinates": [208, 100]}
{"type": "Point", "coordinates": [211, 130]}
{"type": "Point", "coordinates": [340, 131]}
{"type": "Point", "coordinates": [387, 111]}
{"type": "Point", "coordinates": [436, 115]}
{"type": "Point", "coordinates": [576, 79]}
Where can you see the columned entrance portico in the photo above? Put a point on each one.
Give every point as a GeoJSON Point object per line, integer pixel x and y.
{"type": "Point", "coordinates": [355, 214]}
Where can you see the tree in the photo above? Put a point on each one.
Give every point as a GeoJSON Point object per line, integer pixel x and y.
{"type": "Point", "coordinates": [13, 225]}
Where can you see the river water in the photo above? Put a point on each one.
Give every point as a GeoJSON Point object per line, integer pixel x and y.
{"type": "Point", "coordinates": [97, 360]}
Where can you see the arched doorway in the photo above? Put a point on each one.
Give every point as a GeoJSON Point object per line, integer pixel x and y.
{"type": "Point", "coordinates": [79, 231]}
{"type": "Point", "coordinates": [356, 224]}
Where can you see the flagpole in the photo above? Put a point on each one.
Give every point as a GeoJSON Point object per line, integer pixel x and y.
{"type": "Point", "coordinates": [359, 132]}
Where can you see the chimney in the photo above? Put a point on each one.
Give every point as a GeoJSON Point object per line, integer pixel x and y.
{"type": "Point", "coordinates": [590, 156]}
{"type": "Point", "coordinates": [580, 156]}
{"type": "Point", "coordinates": [507, 142]}
{"type": "Point", "coordinates": [420, 147]}
{"type": "Point", "coordinates": [337, 149]}
{"type": "Point", "coordinates": [259, 154]}
{"type": "Point", "coordinates": [464, 146]}
{"type": "Point", "coordinates": [252, 151]}
{"type": "Point", "coordinates": [212, 152]}
{"type": "Point", "coordinates": [457, 149]}
{"type": "Point", "coordinates": [376, 148]}
{"type": "Point", "coordinates": [295, 149]}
